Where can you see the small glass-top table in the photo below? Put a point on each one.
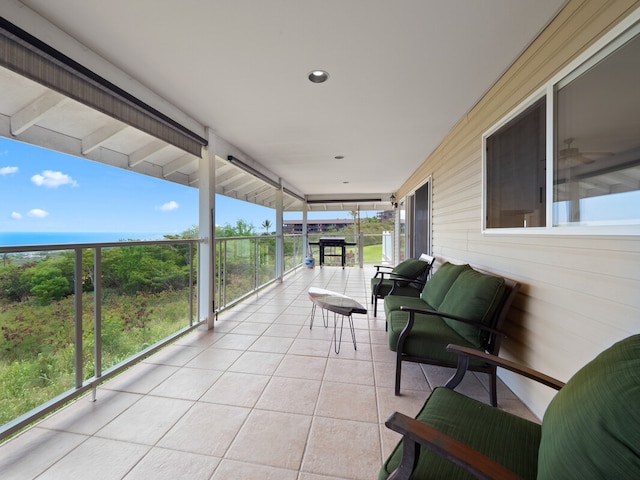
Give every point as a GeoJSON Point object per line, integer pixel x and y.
{"type": "Point", "coordinates": [340, 305]}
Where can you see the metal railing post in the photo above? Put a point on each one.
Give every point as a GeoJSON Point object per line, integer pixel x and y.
{"type": "Point", "coordinates": [97, 316]}
{"type": "Point", "coordinates": [77, 316]}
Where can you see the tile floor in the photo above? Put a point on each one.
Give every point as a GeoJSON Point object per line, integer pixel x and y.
{"type": "Point", "coordinates": [262, 396]}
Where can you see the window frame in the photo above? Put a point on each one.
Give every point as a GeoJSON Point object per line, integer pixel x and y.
{"type": "Point", "coordinates": [622, 33]}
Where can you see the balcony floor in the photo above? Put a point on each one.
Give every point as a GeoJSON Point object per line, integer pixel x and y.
{"type": "Point", "coordinates": [262, 396]}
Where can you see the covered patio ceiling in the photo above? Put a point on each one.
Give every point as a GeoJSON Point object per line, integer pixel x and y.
{"type": "Point", "coordinates": [401, 75]}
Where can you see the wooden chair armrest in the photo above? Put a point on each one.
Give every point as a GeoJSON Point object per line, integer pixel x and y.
{"type": "Point", "coordinates": [426, 311]}
{"type": "Point", "coordinates": [466, 353]}
{"type": "Point", "coordinates": [415, 432]}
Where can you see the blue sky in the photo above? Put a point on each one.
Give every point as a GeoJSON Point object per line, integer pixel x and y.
{"type": "Point", "coordinates": [46, 191]}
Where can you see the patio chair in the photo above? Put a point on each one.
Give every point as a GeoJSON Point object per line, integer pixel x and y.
{"type": "Point", "coordinates": [407, 278]}
{"type": "Point", "coordinates": [590, 430]}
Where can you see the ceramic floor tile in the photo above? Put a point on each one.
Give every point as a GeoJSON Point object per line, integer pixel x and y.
{"type": "Point", "coordinates": [349, 371]}
{"type": "Point", "coordinates": [291, 395]}
{"type": "Point", "coordinates": [163, 464]}
{"type": "Point", "coordinates": [272, 438]}
{"type": "Point", "coordinates": [34, 451]}
{"type": "Point", "coordinates": [300, 366]}
{"type": "Point", "coordinates": [176, 355]}
{"type": "Point", "coordinates": [215, 358]}
{"type": "Point", "coordinates": [348, 401]}
{"type": "Point", "coordinates": [343, 448]}
{"type": "Point", "coordinates": [282, 330]}
{"type": "Point", "coordinates": [271, 344]}
{"type": "Point", "coordinates": [409, 403]}
{"type": "Point", "coordinates": [250, 327]}
{"type": "Point", "coordinates": [230, 469]}
{"type": "Point", "coordinates": [99, 458]}
{"type": "Point", "coordinates": [315, 348]}
{"type": "Point", "coordinates": [412, 376]}
{"type": "Point", "coordinates": [234, 388]}
{"type": "Point", "coordinates": [187, 383]}
{"type": "Point", "coordinates": [86, 416]}
{"type": "Point", "coordinates": [198, 338]}
{"type": "Point", "coordinates": [289, 319]}
{"type": "Point", "coordinates": [235, 341]}
{"type": "Point", "coordinates": [257, 362]}
{"type": "Point", "coordinates": [141, 378]}
{"type": "Point", "coordinates": [262, 318]}
{"type": "Point", "coordinates": [146, 421]}
{"type": "Point", "coordinates": [207, 429]}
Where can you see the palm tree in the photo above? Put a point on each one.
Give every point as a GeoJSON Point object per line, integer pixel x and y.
{"type": "Point", "coordinates": [266, 225]}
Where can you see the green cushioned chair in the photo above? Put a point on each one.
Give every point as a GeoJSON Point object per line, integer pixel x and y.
{"type": "Point", "coordinates": [406, 279]}
{"type": "Point", "coordinates": [591, 429]}
{"type": "Point", "coordinates": [458, 305]}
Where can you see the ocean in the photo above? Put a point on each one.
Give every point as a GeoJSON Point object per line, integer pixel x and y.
{"type": "Point", "coordinates": [55, 238]}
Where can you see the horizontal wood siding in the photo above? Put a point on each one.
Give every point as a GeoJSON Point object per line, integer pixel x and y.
{"type": "Point", "coordinates": [580, 294]}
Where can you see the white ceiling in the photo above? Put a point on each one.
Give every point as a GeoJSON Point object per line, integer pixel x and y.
{"type": "Point", "coordinates": [402, 74]}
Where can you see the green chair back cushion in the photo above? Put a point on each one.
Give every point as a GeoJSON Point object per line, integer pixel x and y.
{"type": "Point", "coordinates": [410, 268]}
{"type": "Point", "coordinates": [591, 428]}
{"type": "Point", "coordinates": [438, 285]}
{"type": "Point", "coordinates": [474, 296]}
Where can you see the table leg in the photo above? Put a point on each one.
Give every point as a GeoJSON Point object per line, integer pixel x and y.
{"type": "Point", "coordinates": [337, 342]}
{"type": "Point", "coordinates": [325, 320]}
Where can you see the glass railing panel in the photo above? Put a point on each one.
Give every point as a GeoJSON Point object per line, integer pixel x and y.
{"type": "Point", "coordinates": [144, 299]}
{"type": "Point", "coordinates": [293, 249]}
{"type": "Point", "coordinates": [266, 259]}
{"type": "Point", "coordinates": [37, 326]}
{"type": "Point", "coordinates": [136, 294]}
{"type": "Point", "coordinates": [237, 268]}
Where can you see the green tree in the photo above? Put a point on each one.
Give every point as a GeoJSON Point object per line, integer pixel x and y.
{"type": "Point", "coordinates": [48, 284]}
{"type": "Point", "coordinates": [240, 229]}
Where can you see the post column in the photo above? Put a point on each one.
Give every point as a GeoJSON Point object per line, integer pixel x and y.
{"type": "Point", "coordinates": [206, 221]}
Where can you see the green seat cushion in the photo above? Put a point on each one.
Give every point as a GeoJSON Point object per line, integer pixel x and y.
{"type": "Point", "coordinates": [474, 296]}
{"type": "Point", "coordinates": [438, 285]}
{"type": "Point", "coordinates": [509, 440]}
{"type": "Point", "coordinates": [428, 338]}
{"type": "Point", "coordinates": [394, 302]}
{"type": "Point", "coordinates": [591, 428]}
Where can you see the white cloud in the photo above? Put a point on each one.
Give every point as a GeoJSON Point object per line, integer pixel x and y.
{"type": "Point", "coordinates": [8, 170]}
{"type": "Point", "coordinates": [167, 207]}
{"type": "Point", "coordinates": [37, 213]}
{"type": "Point", "coordinates": [16, 215]}
{"type": "Point", "coordinates": [52, 179]}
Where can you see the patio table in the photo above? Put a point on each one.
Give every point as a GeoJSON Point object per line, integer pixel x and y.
{"type": "Point", "coordinates": [341, 305]}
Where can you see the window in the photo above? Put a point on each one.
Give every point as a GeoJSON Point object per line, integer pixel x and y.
{"type": "Point", "coordinates": [515, 166]}
{"type": "Point", "coordinates": [594, 162]}
{"type": "Point", "coordinates": [597, 162]}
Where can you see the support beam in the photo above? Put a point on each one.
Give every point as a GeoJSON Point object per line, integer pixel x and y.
{"type": "Point", "coordinates": [145, 152]}
{"type": "Point", "coordinates": [29, 115]}
{"type": "Point", "coordinates": [97, 138]}
{"type": "Point", "coordinates": [177, 164]}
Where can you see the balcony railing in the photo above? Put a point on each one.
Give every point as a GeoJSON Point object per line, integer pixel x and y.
{"type": "Point", "coordinates": [96, 333]}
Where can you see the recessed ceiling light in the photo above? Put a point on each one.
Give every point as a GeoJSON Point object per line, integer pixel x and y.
{"type": "Point", "coordinates": [318, 76]}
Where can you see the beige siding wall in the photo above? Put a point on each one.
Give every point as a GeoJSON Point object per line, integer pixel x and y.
{"type": "Point", "coordinates": [580, 293]}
